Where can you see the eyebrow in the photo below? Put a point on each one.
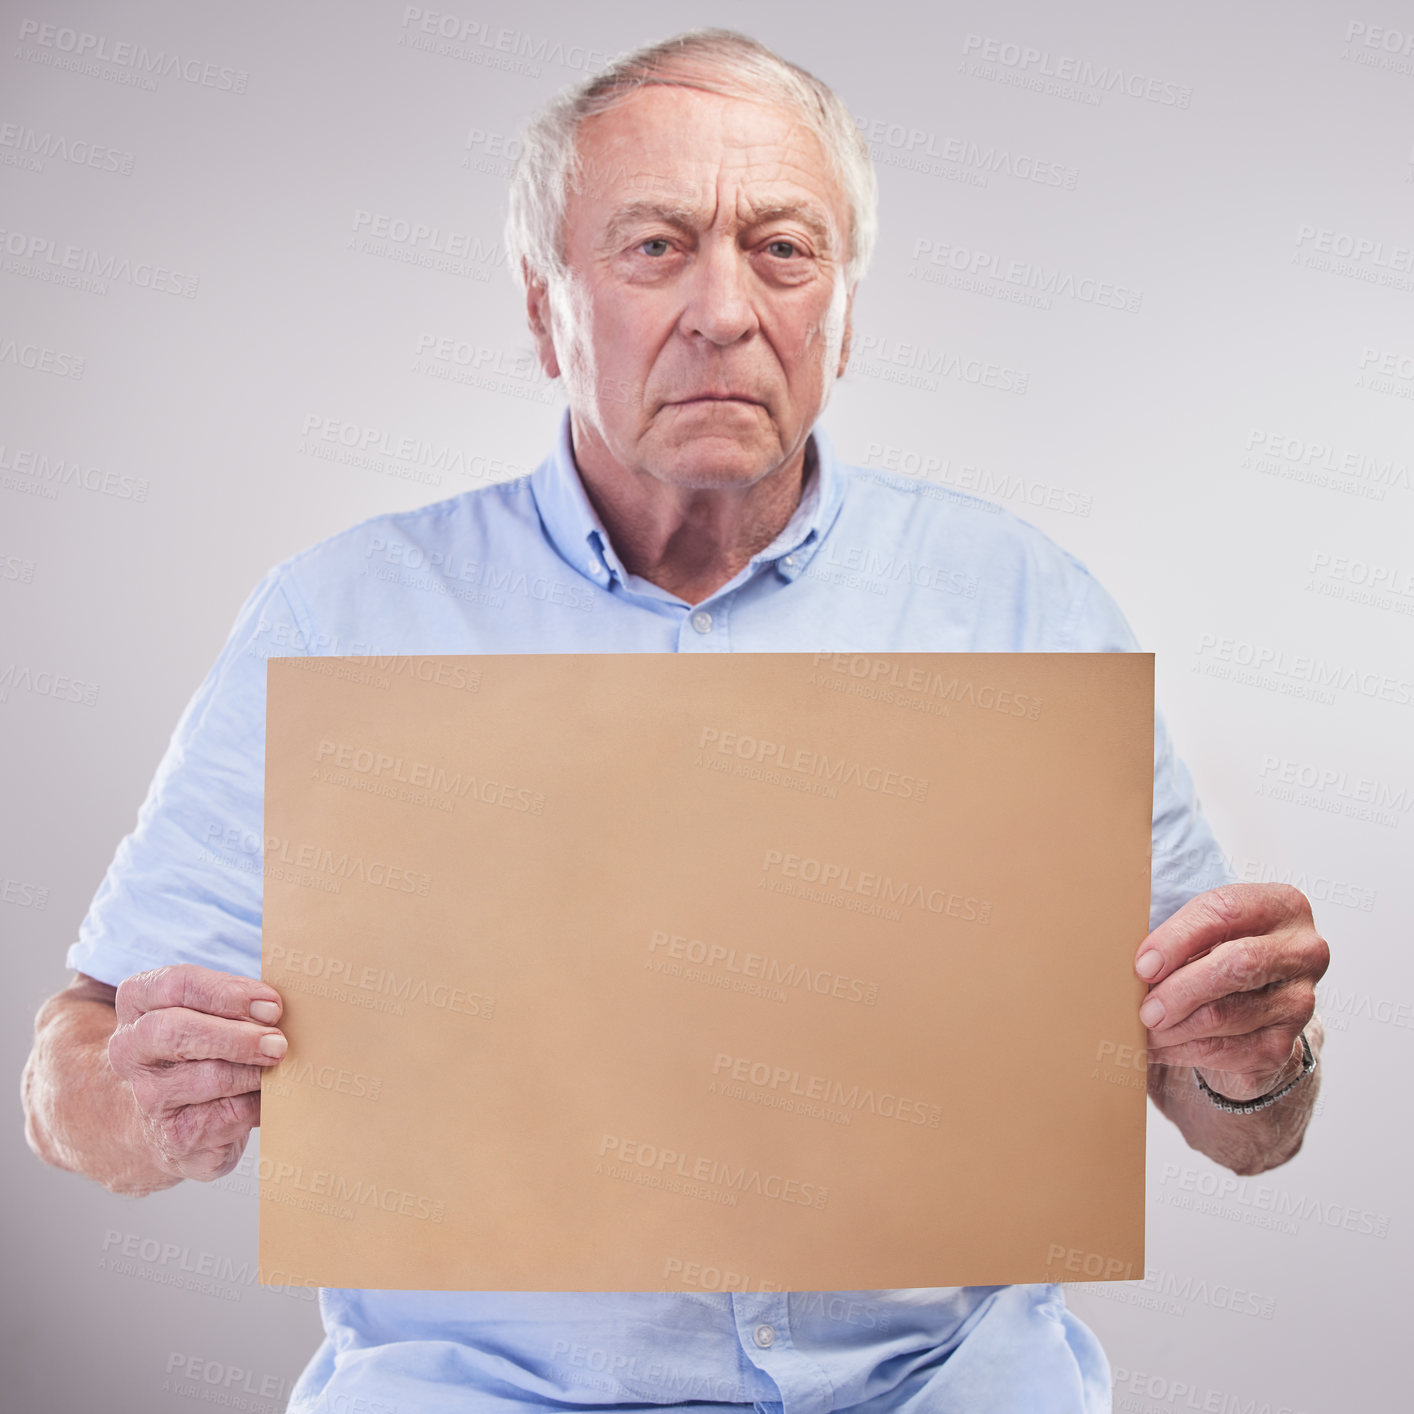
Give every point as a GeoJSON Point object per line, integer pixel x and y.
{"type": "Point", "coordinates": [683, 217]}
{"type": "Point", "coordinates": [816, 221]}
{"type": "Point", "coordinates": [807, 213]}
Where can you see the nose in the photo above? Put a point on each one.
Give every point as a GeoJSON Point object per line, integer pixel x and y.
{"type": "Point", "coordinates": [718, 305]}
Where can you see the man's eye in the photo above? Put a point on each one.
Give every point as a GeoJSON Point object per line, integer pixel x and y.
{"type": "Point", "coordinates": [657, 246]}
{"type": "Point", "coordinates": [785, 249]}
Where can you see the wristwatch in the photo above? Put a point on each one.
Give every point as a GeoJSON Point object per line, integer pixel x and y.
{"type": "Point", "coordinates": [1247, 1107]}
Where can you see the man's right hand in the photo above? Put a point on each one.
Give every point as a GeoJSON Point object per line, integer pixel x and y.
{"type": "Point", "coordinates": [192, 1043]}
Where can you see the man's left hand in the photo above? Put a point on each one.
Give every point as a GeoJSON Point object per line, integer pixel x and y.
{"type": "Point", "coordinates": [1232, 981]}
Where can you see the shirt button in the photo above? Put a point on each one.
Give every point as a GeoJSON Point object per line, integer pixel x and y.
{"type": "Point", "coordinates": [595, 567]}
{"type": "Point", "coordinates": [789, 560]}
{"type": "Point", "coordinates": [702, 622]}
{"type": "Point", "coordinates": [764, 1336]}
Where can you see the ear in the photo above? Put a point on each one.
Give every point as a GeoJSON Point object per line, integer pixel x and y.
{"type": "Point", "coordinates": [537, 315]}
{"type": "Point", "coordinates": [848, 339]}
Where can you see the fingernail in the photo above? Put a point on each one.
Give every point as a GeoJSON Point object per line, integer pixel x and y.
{"type": "Point", "coordinates": [273, 1045]}
{"type": "Point", "coordinates": [1150, 964]}
{"type": "Point", "coordinates": [264, 1011]}
{"type": "Point", "coordinates": [1152, 1012]}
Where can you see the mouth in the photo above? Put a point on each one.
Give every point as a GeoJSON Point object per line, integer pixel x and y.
{"type": "Point", "coordinates": [702, 398]}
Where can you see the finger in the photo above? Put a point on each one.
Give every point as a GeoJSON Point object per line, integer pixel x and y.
{"type": "Point", "coordinates": [1218, 916]}
{"type": "Point", "coordinates": [160, 1091]}
{"type": "Point", "coordinates": [212, 1125]}
{"type": "Point", "coordinates": [163, 1038]}
{"type": "Point", "coordinates": [1191, 1010]}
{"type": "Point", "coordinates": [1240, 965]}
{"type": "Point", "coordinates": [199, 989]}
{"type": "Point", "coordinates": [196, 1140]}
{"type": "Point", "coordinates": [209, 1164]}
{"type": "Point", "coordinates": [1261, 1052]}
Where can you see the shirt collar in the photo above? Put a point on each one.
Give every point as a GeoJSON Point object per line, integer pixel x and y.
{"type": "Point", "coordinates": [577, 533]}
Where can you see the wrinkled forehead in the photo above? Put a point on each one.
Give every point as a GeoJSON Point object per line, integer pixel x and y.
{"type": "Point", "coordinates": [704, 156]}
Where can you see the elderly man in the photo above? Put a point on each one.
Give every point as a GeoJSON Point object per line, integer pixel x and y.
{"type": "Point", "coordinates": [691, 226]}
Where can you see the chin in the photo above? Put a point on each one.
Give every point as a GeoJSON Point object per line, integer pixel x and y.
{"type": "Point", "coordinates": [715, 462]}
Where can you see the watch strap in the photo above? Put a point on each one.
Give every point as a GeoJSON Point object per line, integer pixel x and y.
{"type": "Point", "coordinates": [1247, 1107]}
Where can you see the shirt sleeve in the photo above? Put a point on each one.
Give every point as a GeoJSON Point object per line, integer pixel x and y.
{"type": "Point", "coordinates": [186, 884]}
{"type": "Point", "coordinates": [1186, 857]}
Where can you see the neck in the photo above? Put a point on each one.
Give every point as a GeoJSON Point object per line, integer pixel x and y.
{"type": "Point", "coordinates": [685, 539]}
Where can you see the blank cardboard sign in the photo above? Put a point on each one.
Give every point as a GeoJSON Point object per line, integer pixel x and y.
{"type": "Point", "coordinates": [605, 971]}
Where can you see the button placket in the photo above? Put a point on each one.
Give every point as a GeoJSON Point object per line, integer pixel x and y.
{"type": "Point", "coordinates": [706, 628]}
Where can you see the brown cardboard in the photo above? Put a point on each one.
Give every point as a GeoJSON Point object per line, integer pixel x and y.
{"type": "Point", "coordinates": [774, 971]}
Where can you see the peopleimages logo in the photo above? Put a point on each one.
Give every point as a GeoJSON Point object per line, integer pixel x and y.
{"type": "Point", "coordinates": [48, 472]}
{"type": "Point", "coordinates": [911, 365]}
{"type": "Point", "coordinates": [898, 145]}
{"type": "Point", "coordinates": [39, 358]}
{"type": "Point", "coordinates": [1369, 790]}
{"type": "Point", "coordinates": [28, 147]}
{"type": "Point", "coordinates": [844, 879]}
{"type": "Point", "coordinates": [1308, 459]}
{"type": "Point", "coordinates": [41, 256]}
{"type": "Point", "coordinates": [782, 1080]}
{"type": "Point", "coordinates": [350, 1192]}
{"type": "Point", "coordinates": [671, 1163]}
{"type": "Point", "coordinates": [1026, 66]}
{"type": "Point", "coordinates": [1379, 47]}
{"type": "Point", "coordinates": [379, 983]}
{"type": "Point", "coordinates": [458, 245]}
{"type": "Point", "coordinates": [965, 476]}
{"type": "Point", "coordinates": [308, 864]}
{"type": "Point", "coordinates": [945, 256]}
{"type": "Point", "coordinates": [355, 444]}
{"type": "Point", "coordinates": [62, 47]}
{"type": "Point", "coordinates": [808, 762]}
{"type": "Point", "coordinates": [383, 766]}
{"type": "Point", "coordinates": [755, 974]}
{"type": "Point", "coordinates": [1299, 674]}
{"type": "Point", "coordinates": [945, 688]}
{"type": "Point", "coordinates": [19, 677]}
{"type": "Point", "coordinates": [454, 36]}
{"type": "Point", "coordinates": [1279, 1202]}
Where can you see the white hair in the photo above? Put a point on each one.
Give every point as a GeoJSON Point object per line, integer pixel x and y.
{"type": "Point", "coordinates": [715, 61]}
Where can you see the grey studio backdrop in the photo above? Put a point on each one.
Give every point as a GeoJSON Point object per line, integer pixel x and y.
{"type": "Point", "coordinates": [1146, 277]}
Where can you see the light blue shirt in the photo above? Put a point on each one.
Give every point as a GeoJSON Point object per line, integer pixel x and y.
{"type": "Point", "coordinates": [869, 563]}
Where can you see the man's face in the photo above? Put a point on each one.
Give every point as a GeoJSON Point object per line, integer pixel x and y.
{"type": "Point", "coordinates": [708, 316]}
